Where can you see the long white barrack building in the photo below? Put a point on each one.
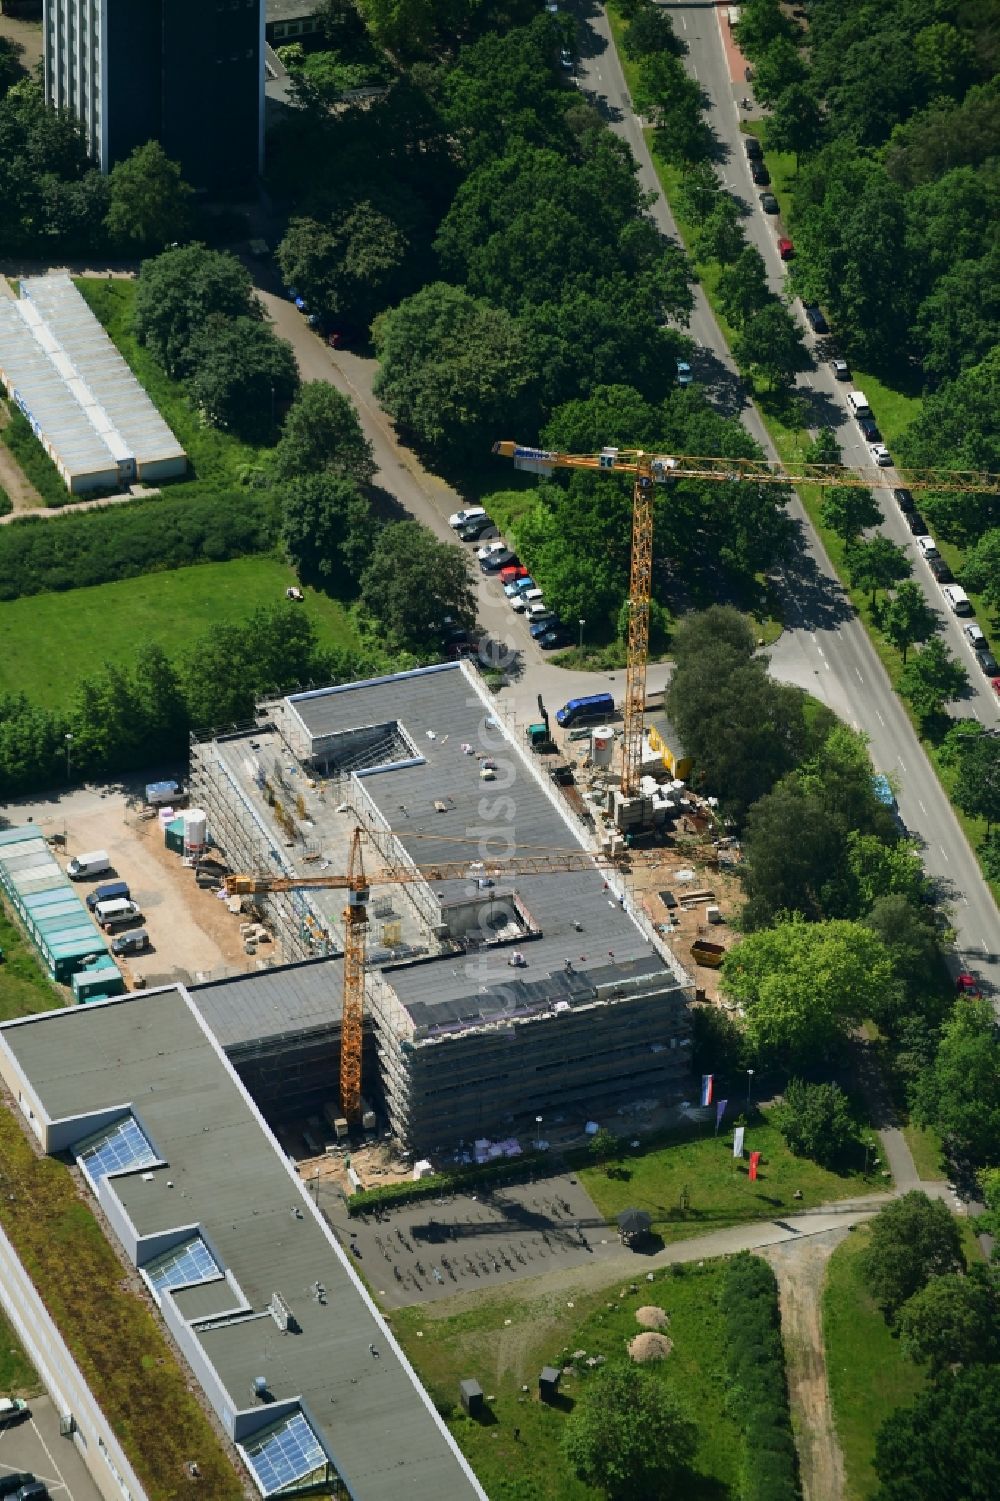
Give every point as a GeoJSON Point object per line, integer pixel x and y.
{"type": "Point", "coordinates": [85, 406]}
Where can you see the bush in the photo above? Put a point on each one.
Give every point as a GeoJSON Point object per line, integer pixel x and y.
{"type": "Point", "coordinates": [756, 1360]}
{"type": "Point", "coordinates": [816, 1122]}
{"type": "Point", "coordinates": [97, 547]}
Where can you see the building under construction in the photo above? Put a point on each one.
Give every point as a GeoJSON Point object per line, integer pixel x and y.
{"type": "Point", "coordinates": [490, 999]}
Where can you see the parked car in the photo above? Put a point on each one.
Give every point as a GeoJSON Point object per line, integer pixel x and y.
{"type": "Point", "coordinates": [786, 249]}
{"type": "Point", "coordinates": [815, 319]}
{"type": "Point", "coordinates": [526, 598]}
{"type": "Point", "coordinates": [471, 513]}
{"type": "Point", "coordinates": [995, 685]}
{"type": "Point", "coordinates": [841, 369]}
{"type": "Point", "coordinates": [942, 573]}
{"type": "Point", "coordinates": [769, 203]}
{"type": "Point", "coordinates": [516, 587]}
{"type": "Point", "coordinates": [915, 522]}
{"type": "Point", "coordinates": [11, 1483]}
{"type": "Point", "coordinates": [989, 663]}
{"type": "Point", "coordinates": [494, 561]}
{"type": "Point", "coordinates": [684, 376]}
{"type": "Point", "coordinates": [12, 1410]}
{"type": "Point", "coordinates": [512, 573]}
{"type": "Point", "coordinates": [880, 454]}
{"type": "Point", "coordinates": [537, 610]}
{"type": "Point", "coordinates": [927, 546]}
{"type": "Point", "coordinates": [472, 531]}
{"type": "Point", "coordinates": [967, 985]}
{"type": "Point", "coordinates": [543, 625]}
{"type": "Point", "coordinates": [753, 148]}
{"type": "Point", "coordinates": [904, 499]}
{"type": "Point", "coordinates": [956, 598]}
{"type": "Point", "coordinates": [566, 59]}
{"type": "Point", "coordinates": [107, 892]}
{"type": "Point", "coordinates": [869, 430]}
{"type": "Point", "coordinates": [972, 632]}
{"type": "Point", "coordinates": [558, 636]}
{"type": "Point", "coordinates": [130, 943]}
{"type": "Point", "coordinates": [488, 549]}
{"type": "Point", "coordinates": [760, 174]}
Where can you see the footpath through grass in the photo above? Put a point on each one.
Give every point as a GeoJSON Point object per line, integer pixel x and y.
{"type": "Point", "coordinates": [868, 1373]}
{"type": "Point", "coordinates": [692, 1185]}
{"type": "Point", "coordinates": [115, 1339]}
{"type": "Point", "coordinates": [503, 1342]}
{"type": "Point", "coordinates": [84, 628]}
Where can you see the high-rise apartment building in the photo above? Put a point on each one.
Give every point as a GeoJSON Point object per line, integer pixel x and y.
{"type": "Point", "coordinates": [187, 73]}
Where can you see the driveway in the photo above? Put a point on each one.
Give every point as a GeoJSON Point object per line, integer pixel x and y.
{"type": "Point", "coordinates": [36, 1446]}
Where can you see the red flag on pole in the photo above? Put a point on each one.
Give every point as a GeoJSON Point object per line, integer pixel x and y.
{"type": "Point", "coordinates": [754, 1160]}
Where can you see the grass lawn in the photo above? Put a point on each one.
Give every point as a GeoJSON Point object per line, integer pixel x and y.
{"type": "Point", "coordinates": [213, 455]}
{"type": "Point", "coordinates": [83, 628]}
{"type": "Point", "coordinates": [17, 1376]}
{"type": "Point", "coordinates": [24, 989]}
{"type": "Point", "coordinates": [118, 1343]}
{"type": "Point", "coordinates": [503, 1342]}
{"type": "Point", "coordinates": [717, 1189]}
{"type": "Point", "coordinates": [869, 1375]}
{"type": "Point", "coordinates": [928, 1154]}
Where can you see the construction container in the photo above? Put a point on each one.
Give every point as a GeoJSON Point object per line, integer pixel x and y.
{"type": "Point", "coordinates": [53, 916]}
{"type": "Point", "coordinates": [98, 981]}
{"type": "Point", "coordinates": [173, 836]}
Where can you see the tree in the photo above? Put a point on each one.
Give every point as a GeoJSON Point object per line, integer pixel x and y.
{"type": "Point", "coordinates": [947, 1444]}
{"type": "Point", "coordinates": [242, 373]}
{"type": "Point", "coordinates": [801, 985]}
{"type": "Point", "coordinates": [178, 292]}
{"type": "Point", "coordinates": [953, 1321]}
{"type": "Point", "coordinates": [876, 564]}
{"type": "Point", "coordinates": [816, 1122]}
{"type": "Point", "coordinates": [960, 1094]}
{"type": "Point", "coordinates": [674, 102]}
{"type": "Point", "coordinates": [977, 790]}
{"type": "Point", "coordinates": [327, 529]}
{"type": "Point", "coordinates": [912, 1240]}
{"type": "Point", "coordinates": [605, 1146]}
{"type": "Point", "coordinates": [909, 937]}
{"type": "Point", "coordinates": [721, 236]}
{"type": "Point", "coordinates": [627, 1433]}
{"type": "Point", "coordinates": [403, 26]}
{"type": "Point", "coordinates": [12, 69]}
{"type": "Point", "coordinates": [795, 124]}
{"type": "Point", "coordinates": [981, 569]}
{"type": "Point", "coordinates": [454, 371]}
{"type": "Point", "coordinates": [931, 679]}
{"type": "Point", "coordinates": [412, 582]}
{"type": "Point", "coordinates": [778, 68]}
{"type": "Point", "coordinates": [760, 23]}
{"type": "Point", "coordinates": [347, 267]}
{"type": "Point", "coordinates": [650, 30]}
{"type": "Point", "coordinates": [322, 432]}
{"type": "Point", "coordinates": [150, 203]}
{"type": "Point", "coordinates": [908, 618]}
{"type": "Point", "coordinates": [848, 510]}
{"type": "Point", "coordinates": [743, 288]}
{"type": "Point", "coordinates": [790, 852]}
{"type": "Point", "coordinates": [698, 191]}
{"type": "Point", "coordinates": [824, 449]}
{"type": "Point", "coordinates": [771, 342]}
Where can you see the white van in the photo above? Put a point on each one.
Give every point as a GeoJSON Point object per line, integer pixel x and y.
{"type": "Point", "coordinates": [958, 600]}
{"type": "Point", "coordinates": [858, 403]}
{"type": "Point", "coordinates": [114, 914]}
{"type": "Point", "coordinates": [85, 867]}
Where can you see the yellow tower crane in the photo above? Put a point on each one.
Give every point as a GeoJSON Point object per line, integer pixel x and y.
{"type": "Point", "coordinates": [656, 469]}
{"type": "Point", "coordinates": [530, 860]}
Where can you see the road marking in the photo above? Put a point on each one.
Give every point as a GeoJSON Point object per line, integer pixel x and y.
{"type": "Point", "coordinates": [879, 717]}
{"type": "Point", "coordinates": [684, 22]}
{"type": "Point", "coordinates": [945, 853]}
{"type": "Point", "coordinates": [52, 1462]}
{"type": "Point", "coordinates": [901, 766]}
{"type": "Point", "coordinates": [820, 650]}
{"type": "Point", "coordinates": [858, 671]}
{"type": "Point", "coordinates": [922, 808]}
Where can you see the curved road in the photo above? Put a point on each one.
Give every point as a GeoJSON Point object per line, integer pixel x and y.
{"type": "Point", "coordinates": [825, 647]}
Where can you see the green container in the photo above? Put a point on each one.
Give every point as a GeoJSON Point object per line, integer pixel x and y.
{"type": "Point", "coordinates": [173, 836]}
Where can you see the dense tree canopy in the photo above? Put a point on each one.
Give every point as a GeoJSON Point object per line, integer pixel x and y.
{"type": "Point", "coordinates": [177, 294]}
{"type": "Point", "coordinates": [242, 374]}
{"type": "Point", "coordinates": [150, 204]}
{"type": "Point", "coordinates": [412, 583]}
{"type": "Point", "coordinates": [628, 1434]}
{"type": "Point", "coordinates": [947, 1444]}
{"type": "Point", "coordinates": [327, 529]}
{"type": "Point", "coordinates": [913, 1239]}
{"type": "Point", "coordinates": [322, 433]}
{"type": "Point", "coordinates": [960, 1093]}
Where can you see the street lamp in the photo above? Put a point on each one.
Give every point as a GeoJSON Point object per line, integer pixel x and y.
{"type": "Point", "coordinates": [582, 624]}
{"type": "Point", "coordinates": [538, 1133]}
{"type": "Point", "coordinates": [69, 755]}
{"type": "Point", "coordinates": [749, 1087]}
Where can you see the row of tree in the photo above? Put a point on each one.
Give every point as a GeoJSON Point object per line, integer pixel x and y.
{"type": "Point", "coordinates": [947, 1318]}
{"type": "Point", "coordinates": [756, 1363]}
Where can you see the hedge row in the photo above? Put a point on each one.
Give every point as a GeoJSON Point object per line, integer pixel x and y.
{"type": "Point", "coordinates": [756, 1361]}
{"type": "Point", "coordinates": [41, 554]}
{"type": "Point", "coordinates": [458, 1180]}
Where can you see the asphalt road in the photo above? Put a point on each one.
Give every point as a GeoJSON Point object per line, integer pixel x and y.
{"type": "Point", "coordinates": [825, 647]}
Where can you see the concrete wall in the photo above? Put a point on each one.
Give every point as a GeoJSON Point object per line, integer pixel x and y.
{"type": "Point", "coordinates": [101, 1452]}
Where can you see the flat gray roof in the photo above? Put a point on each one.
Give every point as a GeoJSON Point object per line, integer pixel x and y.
{"type": "Point", "coordinates": [265, 1005]}
{"type": "Point", "coordinates": [225, 1173]}
{"type": "Point", "coordinates": [439, 808]}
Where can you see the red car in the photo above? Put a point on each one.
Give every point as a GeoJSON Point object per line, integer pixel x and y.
{"type": "Point", "coordinates": [967, 985]}
{"type": "Point", "coordinates": [786, 249]}
{"type": "Point", "coordinates": [996, 686]}
{"type": "Point", "coordinates": [513, 571]}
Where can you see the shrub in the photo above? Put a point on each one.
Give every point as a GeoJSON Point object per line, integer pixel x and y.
{"type": "Point", "coordinates": [756, 1360]}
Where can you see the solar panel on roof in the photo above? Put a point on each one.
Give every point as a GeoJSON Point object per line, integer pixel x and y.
{"type": "Point", "coordinates": [284, 1452]}
{"type": "Point", "coordinates": [189, 1262]}
{"type": "Point", "coordinates": [115, 1149]}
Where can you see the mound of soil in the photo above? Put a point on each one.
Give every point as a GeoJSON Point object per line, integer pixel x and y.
{"type": "Point", "coordinates": [651, 1317]}
{"type": "Point", "coordinates": [647, 1347]}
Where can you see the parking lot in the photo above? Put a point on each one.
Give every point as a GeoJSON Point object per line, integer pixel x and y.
{"type": "Point", "coordinates": [34, 1445]}
{"type": "Point", "coordinates": [192, 934]}
{"type": "Point", "coordinates": [434, 1249]}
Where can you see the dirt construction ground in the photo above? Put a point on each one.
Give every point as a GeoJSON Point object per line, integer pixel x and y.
{"type": "Point", "coordinates": [192, 933]}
